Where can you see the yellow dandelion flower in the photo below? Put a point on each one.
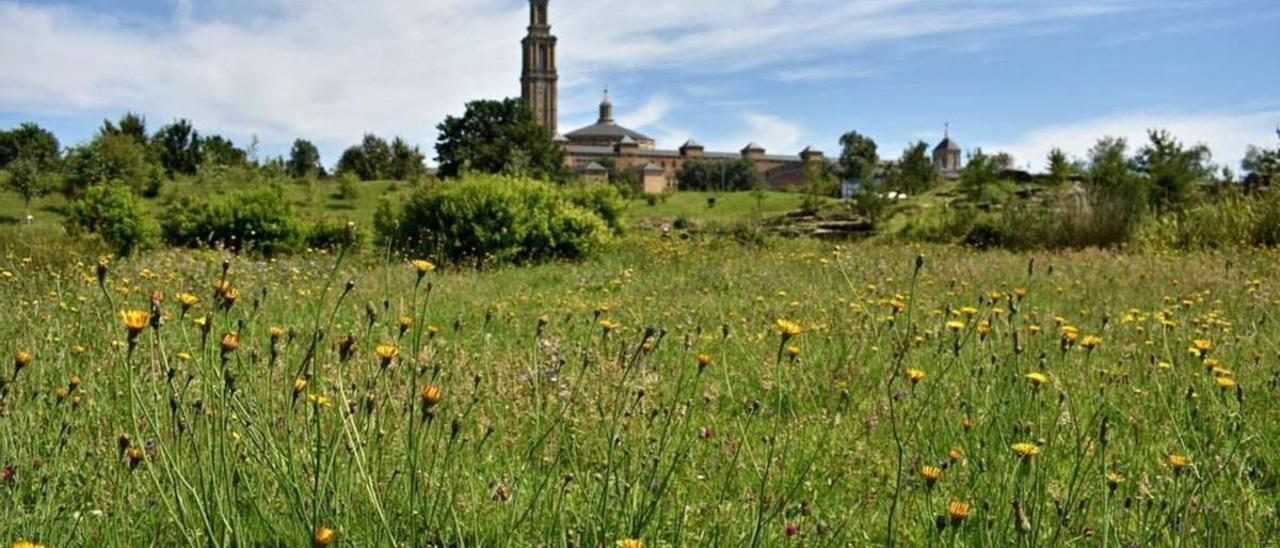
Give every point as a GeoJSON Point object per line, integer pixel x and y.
{"type": "Point", "coordinates": [1114, 480]}
{"type": "Point", "coordinates": [1178, 462]}
{"type": "Point", "coordinates": [187, 301]}
{"type": "Point", "coordinates": [1025, 450]}
{"type": "Point", "coordinates": [931, 475]}
{"type": "Point", "coordinates": [423, 266]}
{"type": "Point", "coordinates": [1037, 380]}
{"type": "Point", "coordinates": [431, 395]}
{"type": "Point", "coordinates": [631, 543]}
{"type": "Point", "coordinates": [1226, 383]}
{"type": "Point", "coordinates": [1201, 347]}
{"type": "Point", "coordinates": [230, 342]}
{"type": "Point", "coordinates": [915, 375]}
{"type": "Point", "coordinates": [955, 325]}
{"type": "Point", "coordinates": [323, 537]}
{"type": "Point", "coordinates": [788, 328]}
{"type": "Point", "coordinates": [958, 511]}
{"type": "Point", "coordinates": [386, 353]}
{"type": "Point", "coordinates": [1091, 342]}
{"type": "Point", "coordinates": [135, 321]}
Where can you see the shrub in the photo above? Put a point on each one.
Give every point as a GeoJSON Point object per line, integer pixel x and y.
{"type": "Point", "coordinates": [330, 235]}
{"type": "Point", "coordinates": [112, 212]}
{"type": "Point", "coordinates": [258, 220]}
{"type": "Point", "coordinates": [489, 218]}
{"type": "Point", "coordinates": [603, 200]}
{"type": "Point", "coordinates": [1232, 222]}
{"type": "Point", "coordinates": [348, 188]}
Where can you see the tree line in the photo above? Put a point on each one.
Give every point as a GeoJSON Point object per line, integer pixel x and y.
{"type": "Point", "coordinates": [124, 152]}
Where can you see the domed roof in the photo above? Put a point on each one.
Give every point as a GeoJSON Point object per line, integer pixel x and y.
{"type": "Point", "coordinates": [605, 131]}
{"type": "Point", "coordinates": [948, 145]}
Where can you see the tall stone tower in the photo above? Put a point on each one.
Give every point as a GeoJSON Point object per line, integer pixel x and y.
{"type": "Point", "coordinates": [538, 80]}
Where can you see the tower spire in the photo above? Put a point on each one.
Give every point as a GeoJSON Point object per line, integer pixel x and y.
{"type": "Point", "coordinates": [538, 81]}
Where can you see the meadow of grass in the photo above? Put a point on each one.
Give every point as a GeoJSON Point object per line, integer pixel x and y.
{"type": "Point", "coordinates": [729, 206]}
{"type": "Point", "coordinates": [680, 392]}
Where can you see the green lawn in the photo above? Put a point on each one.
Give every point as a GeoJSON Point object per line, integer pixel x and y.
{"type": "Point", "coordinates": [730, 206]}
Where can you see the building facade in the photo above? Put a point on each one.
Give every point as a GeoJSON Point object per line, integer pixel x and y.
{"type": "Point", "coordinates": [587, 148]}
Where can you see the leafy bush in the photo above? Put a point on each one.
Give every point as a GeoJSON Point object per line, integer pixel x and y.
{"type": "Point", "coordinates": [1232, 222]}
{"type": "Point", "coordinates": [259, 221]}
{"type": "Point", "coordinates": [485, 219]}
{"type": "Point", "coordinates": [112, 158]}
{"type": "Point", "coordinates": [348, 188]}
{"type": "Point", "coordinates": [604, 200]}
{"type": "Point", "coordinates": [330, 235]}
{"type": "Point", "coordinates": [112, 212]}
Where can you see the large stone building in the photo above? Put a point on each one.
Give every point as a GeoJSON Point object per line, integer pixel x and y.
{"type": "Point", "coordinates": [586, 148]}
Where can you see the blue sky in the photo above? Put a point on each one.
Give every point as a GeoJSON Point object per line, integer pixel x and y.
{"type": "Point", "coordinates": [1014, 75]}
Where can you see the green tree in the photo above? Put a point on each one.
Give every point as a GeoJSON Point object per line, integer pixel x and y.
{"type": "Point", "coordinates": [219, 151]}
{"type": "Point", "coordinates": [1172, 170]}
{"type": "Point", "coordinates": [24, 177]}
{"type": "Point", "coordinates": [1112, 176]}
{"type": "Point", "coordinates": [819, 182]}
{"type": "Point", "coordinates": [916, 172]}
{"type": "Point", "coordinates": [1061, 170]}
{"type": "Point", "coordinates": [407, 163]}
{"type": "Point", "coordinates": [1262, 167]}
{"type": "Point", "coordinates": [368, 161]}
{"type": "Point", "coordinates": [178, 148]}
{"type": "Point", "coordinates": [980, 174]}
{"type": "Point", "coordinates": [30, 141]}
{"type": "Point", "coordinates": [304, 160]}
{"type": "Point", "coordinates": [858, 158]}
{"type": "Point", "coordinates": [132, 125]}
{"type": "Point", "coordinates": [111, 157]}
{"type": "Point", "coordinates": [490, 135]}
{"type": "Point", "coordinates": [719, 175]}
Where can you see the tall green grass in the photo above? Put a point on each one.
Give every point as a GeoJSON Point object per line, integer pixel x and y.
{"type": "Point", "coordinates": [648, 394]}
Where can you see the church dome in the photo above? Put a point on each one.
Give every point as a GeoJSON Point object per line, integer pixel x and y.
{"type": "Point", "coordinates": [606, 132]}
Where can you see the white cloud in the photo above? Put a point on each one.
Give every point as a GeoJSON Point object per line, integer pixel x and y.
{"type": "Point", "coordinates": [1227, 134]}
{"type": "Point", "coordinates": [649, 113]}
{"type": "Point", "coordinates": [821, 73]}
{"type": "Point", "coordinates": [330, 70]}
{"type": "Point", "coordinates": [775, 134]}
